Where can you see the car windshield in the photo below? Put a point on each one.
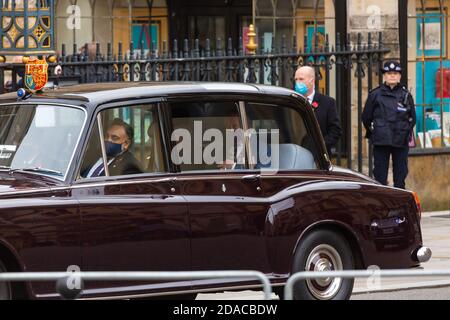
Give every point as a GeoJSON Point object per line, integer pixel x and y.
{"type": "Point", "coordinates": [39, 138]}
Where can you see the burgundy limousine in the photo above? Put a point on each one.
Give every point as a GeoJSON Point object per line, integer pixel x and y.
{"type": "Point", "coordinates": [143, 177]}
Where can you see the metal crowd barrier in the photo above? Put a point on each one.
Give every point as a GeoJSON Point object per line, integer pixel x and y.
{"type": "Point", "coordinates": [198, 275]}
{"type": "Point", "coordinates": [137, 276]}
{"type": "Point", "coordinates": [289, 287]}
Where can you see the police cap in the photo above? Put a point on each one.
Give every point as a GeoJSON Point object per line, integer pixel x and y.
{"type": "Point", "coordinates": [391, 66]}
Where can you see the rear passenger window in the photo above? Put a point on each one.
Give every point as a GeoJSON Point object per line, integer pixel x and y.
{"type": "Point", "coordinates": [229, 135]}
{"type": "Point", "coordinates": [199, 136]}
{"type": "Point", "coordinates": [294, 145]}
{"type": "Point", "coordinates": [132, 139]}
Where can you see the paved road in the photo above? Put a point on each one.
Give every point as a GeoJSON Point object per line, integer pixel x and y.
{"type": "Point", "coordinates": [438, 293]}
{"type": "Point", "coordinates": [442, 293]}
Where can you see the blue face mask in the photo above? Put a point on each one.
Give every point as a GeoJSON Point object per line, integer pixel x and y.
{"type": "Point", "coordinates": [112, 149]}
{"type": "Point", "coordinates": [301, 88]}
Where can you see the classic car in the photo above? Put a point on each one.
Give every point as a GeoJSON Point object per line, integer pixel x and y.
{"type": "Point", "coordinates": [93, 176]}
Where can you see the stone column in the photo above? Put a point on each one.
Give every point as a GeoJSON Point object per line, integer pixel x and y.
{"type": "Point", "coordinates": [68, 32]}
{"type": "Point", "coordinates": [366, 16]}
{"type": "Point", "coordinates": [372, 16]}
{"type": "Point", "coordinates": [330, 28]}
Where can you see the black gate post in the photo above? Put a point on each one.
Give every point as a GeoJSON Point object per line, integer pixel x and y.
{"type": "Point", "coordinates": [369, 88]}
{"type": "Point", "coordinates": [348, 100]}
{"type": "Point", "coordinates": [339, 65]}
{"type": "Point", "coordinates": [360, 75]}
{"type": "Point", "coordinates": [342, 79]}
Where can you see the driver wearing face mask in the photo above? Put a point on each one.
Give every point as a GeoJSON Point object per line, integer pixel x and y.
{"type": "Point", "coordinates": [118, 141]}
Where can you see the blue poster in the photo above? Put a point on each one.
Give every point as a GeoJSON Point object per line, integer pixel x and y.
{"type": "Point", "coordinates": [431, 44]}
{"type": "Point", "coordinates": [144, 33]}
{"type": "Point", "coordinates": [432, 99]}
{"type": "Point", "coordinates": [311, 37]}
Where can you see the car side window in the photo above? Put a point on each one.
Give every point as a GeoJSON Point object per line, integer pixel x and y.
{"type": "Point", "coordinates": [293, 149]}
{"type": "Point", "coordinates": [133, 145]}
{"type": "Point", "coordinates": [200, 132]}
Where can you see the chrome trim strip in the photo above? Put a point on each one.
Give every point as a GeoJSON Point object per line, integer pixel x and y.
{"type": "Point", "coordinates": [85, 183]}
{"type": "Point", "coordinates": [66, 188]}
{"type": "Point", "coordinates": [102, 143]}
{"type": "Point", "coordinates": [50, 189]}
{"type": "Point", "coordinates": [81, 185]}
{"type": "Point", "coordinates": [38, 103]}
{"type": "Point", "coordinates": [170, 179]}
{"type": "Point", "coordinates": [14, 192]}
{"type": "Point", "coordinates": [248, 150]}
{"type": "Point", "coordinates": [144, 295]}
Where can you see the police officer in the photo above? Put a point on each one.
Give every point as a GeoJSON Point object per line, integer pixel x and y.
{"type": "Point", "coordinates": [389, 117]}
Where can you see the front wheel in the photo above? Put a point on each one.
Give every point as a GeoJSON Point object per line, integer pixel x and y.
{"type": "Point", "coordinates": [323, 250]}
{"type": "Point", "coordinates": [5, 287]}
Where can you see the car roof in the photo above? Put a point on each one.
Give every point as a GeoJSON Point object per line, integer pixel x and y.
{"type": "Point", "coordinates": [117, 91]}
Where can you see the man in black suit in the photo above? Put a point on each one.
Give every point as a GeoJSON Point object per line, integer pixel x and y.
{"type": "Point", "coordinates": [324, 107]}
{"type": "Point", "coordinates": [118, 141]}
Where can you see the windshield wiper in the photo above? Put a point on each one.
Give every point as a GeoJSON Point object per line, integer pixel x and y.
{"type": "Point", "coordinates": [39, 170]}
{"type": "Point", "coordinates": [5, 168]}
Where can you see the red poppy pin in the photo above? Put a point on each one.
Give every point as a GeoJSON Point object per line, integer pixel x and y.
{"type": "Point", "coordinates": [315, 105]}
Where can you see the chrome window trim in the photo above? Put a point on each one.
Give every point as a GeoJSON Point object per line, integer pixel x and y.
{"type": "Point", "coordinates": [156, 101]}
{"type": "Point", "coordinates": [20, 192]}
{"type": "Point", "coordinates": [210, 176]}
{"type": "Point", "coordinates": [89, 183]}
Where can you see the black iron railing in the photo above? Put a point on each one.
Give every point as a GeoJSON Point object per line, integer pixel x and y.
{"type": "Point", "coordinates": [221, 62]}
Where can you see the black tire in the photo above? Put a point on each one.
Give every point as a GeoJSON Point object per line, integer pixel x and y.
{"type": "Point", "coordinates": [5, 287]}
{"type": "Point", "coordinates": [323, 250]}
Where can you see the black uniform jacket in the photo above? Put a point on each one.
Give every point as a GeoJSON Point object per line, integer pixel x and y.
{"type": "Point", "coordinates": [389, 116]}
{"type": "Point", "coordinates": [327, 116]}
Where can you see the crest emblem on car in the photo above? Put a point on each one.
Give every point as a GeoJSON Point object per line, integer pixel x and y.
{"type": "Point", "coordinates": [36, 74]}
{"type": "Point", "coordinates": [224, 188]}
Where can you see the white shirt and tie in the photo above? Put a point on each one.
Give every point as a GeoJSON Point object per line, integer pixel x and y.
{"type": "Point", "coordinates": [98, 169]}
{"type": "Point", "coordinates": [311, 97]}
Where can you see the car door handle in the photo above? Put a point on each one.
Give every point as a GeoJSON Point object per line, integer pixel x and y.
{"type": "Point", "coordinates": [251, 177]}
{"type": "Point", "coordinates": [169, 180]}
{"type": "Point", "coordinates": [159, 197]}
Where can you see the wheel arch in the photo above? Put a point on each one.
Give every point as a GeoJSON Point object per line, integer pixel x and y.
{"type": "Point", "coordinates": [337, 227]}
{"type": "Point", "coordinates": [20, 290]}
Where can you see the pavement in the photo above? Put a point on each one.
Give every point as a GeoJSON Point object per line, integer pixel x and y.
{"type": "Point", "coordinates": [434, 293]}
{"type": "Point", "coordinates": [435, 234]}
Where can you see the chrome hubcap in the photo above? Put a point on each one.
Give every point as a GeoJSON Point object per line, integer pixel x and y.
{"type": "Point", "coordinates": [324, 258]}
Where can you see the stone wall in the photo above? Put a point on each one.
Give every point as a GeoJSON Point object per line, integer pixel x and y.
{"type": "Point", "coordinates": [429, 176]}
{"type": "Point", "coordinates": [374, 16]}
